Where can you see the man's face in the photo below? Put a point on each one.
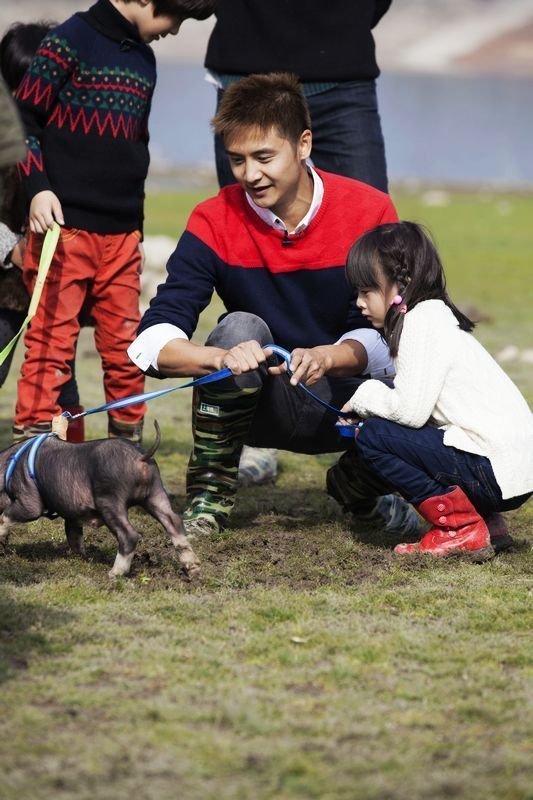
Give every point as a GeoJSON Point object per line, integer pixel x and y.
{"type": "Point", "coordinates": [268, 167]}
{"type": "Point", "coordinates": [150, 27]}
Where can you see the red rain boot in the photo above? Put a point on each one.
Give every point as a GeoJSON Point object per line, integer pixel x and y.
{"type": "Point", "coordinates": [458, 528]}
{"type": "Point", "coordinates": [76, 428]}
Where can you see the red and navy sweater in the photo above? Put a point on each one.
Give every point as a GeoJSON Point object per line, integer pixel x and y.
{"type": "Point", "coordinates": [299, 290]}
{"type": "Point", "coordinates": [85, 101]}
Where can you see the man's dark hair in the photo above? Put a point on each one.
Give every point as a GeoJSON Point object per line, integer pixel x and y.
{"type": "Point", "coordinates": [184, 9]}
{"type": "Point", "coordinates": [274, 100]}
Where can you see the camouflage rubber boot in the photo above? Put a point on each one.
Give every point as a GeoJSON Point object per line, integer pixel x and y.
{"type": "Point", "coordinates": [220, 423]}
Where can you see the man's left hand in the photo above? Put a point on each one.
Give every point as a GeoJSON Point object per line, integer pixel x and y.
{"type": "Point", "coordinates": [307, 365]}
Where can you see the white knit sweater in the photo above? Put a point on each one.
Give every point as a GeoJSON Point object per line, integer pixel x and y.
{"type": "Point", "coordinates": [444, 377]}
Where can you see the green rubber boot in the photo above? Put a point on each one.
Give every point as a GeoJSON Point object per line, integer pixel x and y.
{"type": "Point", "coordinates": [220, 423]}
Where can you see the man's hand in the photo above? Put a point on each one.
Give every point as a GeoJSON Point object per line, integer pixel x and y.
{"type": "Point", "coordinates": [307, 365]}
{"type": "Point", "coordinates": [45, 209]}
{"type": "Point", "coordinates": [244, 357]}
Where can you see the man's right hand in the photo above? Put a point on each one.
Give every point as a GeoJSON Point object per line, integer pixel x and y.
{"type": "Point", "coordinates": [45, 209]}
{"type": "Point", "coordinates": [244, 357]}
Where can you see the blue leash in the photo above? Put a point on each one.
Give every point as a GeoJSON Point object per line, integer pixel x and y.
{"type": "Point", "coordinates": [347, 430]}
{"type": "Point", "coordinates": [140, 398]}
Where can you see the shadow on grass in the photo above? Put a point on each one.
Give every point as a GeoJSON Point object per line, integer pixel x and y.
{"type": "Point", "coordinates": [23, 629]}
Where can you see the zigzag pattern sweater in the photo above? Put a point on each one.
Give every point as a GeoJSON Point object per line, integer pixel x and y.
{"type": "Point", "coordinates": [299, 290]}
{"type": "Point", "coordinates": [85, 101]}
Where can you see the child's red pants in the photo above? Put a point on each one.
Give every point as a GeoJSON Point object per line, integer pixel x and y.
{"type": "Point", "coordinates": [103, 270]}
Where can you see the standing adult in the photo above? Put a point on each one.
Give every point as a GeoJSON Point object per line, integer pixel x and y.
{"type": "Point", "coordinates": [330, 47]}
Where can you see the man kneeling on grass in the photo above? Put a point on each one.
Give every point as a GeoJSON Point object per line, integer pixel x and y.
{"type": "Point", "coordinates": [274, 248]}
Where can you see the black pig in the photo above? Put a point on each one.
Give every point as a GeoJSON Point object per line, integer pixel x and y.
{"type": "Point", "coordinates": [96, 483]}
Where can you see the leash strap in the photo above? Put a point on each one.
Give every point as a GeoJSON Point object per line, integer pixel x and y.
{"type": "Point", "coordinates": [286, 356]}
{"type": "Point", "coordinates": [47, 253]}
{"type": "Point", "coordinates": [219, 375]}
{"type": "Point", "coordinates": [211, 378]}
{"type": "Point", "coordinates": [347, 429]}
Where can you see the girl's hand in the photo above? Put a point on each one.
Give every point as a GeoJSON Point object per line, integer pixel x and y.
{"type": "Point", "coordinates": [45, 209]}
{"type": "Point", "coordinates": [347, 407]}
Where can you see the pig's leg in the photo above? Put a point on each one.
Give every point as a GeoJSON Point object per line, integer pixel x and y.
{"type": "Point", "coordinates": [19, 511]}
{"type": "Point", "coordinates": [158, 505]}
{"type": "Point", "coordinates": [127, 537]}
{"type": "Point", "coordinates": [74, 534]}
{"type": "Point", "coordinates": [5, 527]}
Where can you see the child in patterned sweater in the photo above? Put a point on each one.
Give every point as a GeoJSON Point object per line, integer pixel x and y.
{"type": "Point", "coordinates": [453, 436]}
{"type": "Point", "coordinates": [17, 48]}
{"type": "Point", "coordinates": [85, 101]}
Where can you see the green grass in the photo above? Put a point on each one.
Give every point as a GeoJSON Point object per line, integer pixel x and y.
{"type": "Point", "coordinates": [306, 662]}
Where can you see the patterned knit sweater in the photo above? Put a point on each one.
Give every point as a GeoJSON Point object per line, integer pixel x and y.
{"type": "Point", "coordinates": [298, 289]}
{"type": "Point", "coordinates": [85, 101]}
{"type": "Point", "coordinates": [444, 377]}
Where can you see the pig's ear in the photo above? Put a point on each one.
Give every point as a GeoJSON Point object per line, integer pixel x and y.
{"type": "Point", "coordinates": [60, 426]}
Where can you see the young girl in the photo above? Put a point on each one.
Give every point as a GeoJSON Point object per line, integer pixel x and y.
{"type": "Point", "coordinates": [454, 435]}
{"type": "Point", "coordinates": [17, 48]}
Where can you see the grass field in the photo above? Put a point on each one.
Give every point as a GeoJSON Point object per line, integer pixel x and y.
{"type": "Point", "coordinates": [307, 661]}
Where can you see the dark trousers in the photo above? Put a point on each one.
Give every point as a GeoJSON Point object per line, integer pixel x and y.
{"type": "Point", "coordinates": [347, 136]}
{"type": "Point", "coordinates": [417, 464]}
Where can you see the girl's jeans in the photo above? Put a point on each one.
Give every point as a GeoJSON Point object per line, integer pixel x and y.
{"type": "Point", "coordinates": [417, 464]}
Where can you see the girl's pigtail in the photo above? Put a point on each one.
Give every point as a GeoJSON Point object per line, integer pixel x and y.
{"type": "Point", "coordinates": [393, 323]}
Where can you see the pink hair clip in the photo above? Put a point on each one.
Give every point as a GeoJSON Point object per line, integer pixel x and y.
{"type": "Point", "coordinates": [397, 300]}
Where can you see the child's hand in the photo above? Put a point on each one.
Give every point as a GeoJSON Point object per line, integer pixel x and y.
{"type": "Point", "coordinates": [352, 420]}
{"type": "Point", "coordinates": [17, 254]}
{"type": "Point", "coordinates": [45, 209]}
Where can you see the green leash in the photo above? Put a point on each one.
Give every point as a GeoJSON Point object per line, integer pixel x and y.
{"type": "Point", "coordinates": [47, 253]}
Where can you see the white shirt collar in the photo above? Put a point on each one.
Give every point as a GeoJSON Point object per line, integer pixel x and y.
{"type": "Point", "coordinates": [275, 222]}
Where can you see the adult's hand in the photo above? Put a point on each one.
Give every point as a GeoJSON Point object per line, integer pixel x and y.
{"type": "Point", "coordinates": [45, 209]}
{"type": "Point", "coordinates": [244, 357]}
{"type": "Point", "coordinates": [307, 365]}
